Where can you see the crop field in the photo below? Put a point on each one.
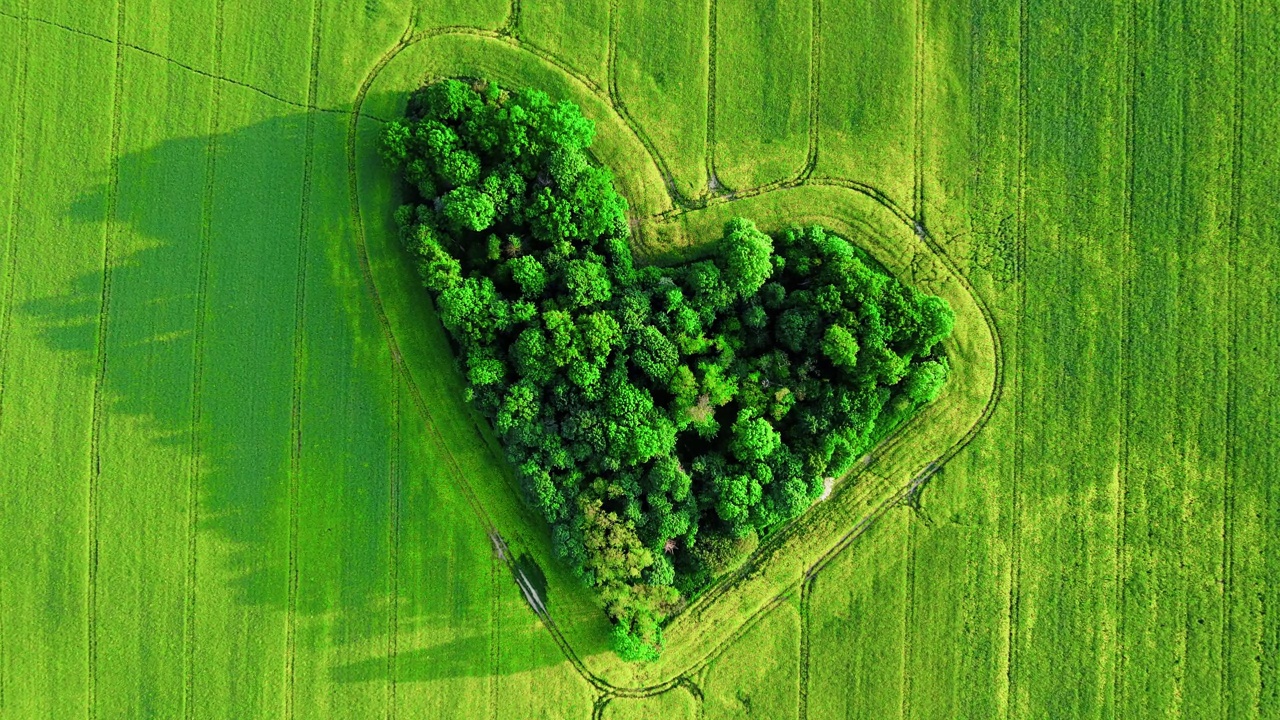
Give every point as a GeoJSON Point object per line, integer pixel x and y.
{"type": "Point", "coordinates": [238, 478]}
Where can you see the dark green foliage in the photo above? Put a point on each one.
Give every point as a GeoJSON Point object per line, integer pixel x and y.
{"type": "Point", "coordinates": [840, 347]}
{"type": "Point", "coordinates": [465, 208]}
{"type": "Point", "coordinates": [529, 275]}
{"type": "Point", "coordinates": [925, 380]}
{"type": "Point", "coordinates": [747, 256]}
{"type": "Point", "coordinates": [662, 419]}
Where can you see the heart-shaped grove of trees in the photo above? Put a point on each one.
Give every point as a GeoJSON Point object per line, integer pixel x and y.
{"type": "Point", "coordinates": [661, 418]}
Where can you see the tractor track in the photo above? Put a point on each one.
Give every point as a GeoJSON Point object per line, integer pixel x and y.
{"type": "Point", "coordinates": [110, 232]}
{"type": "Point", "coordinates": [709, 147]}
{"type": "Point", "coordinates": [15, 207]}
{"type": "Point", "coordinates": [682, 203]}
{"type": "Point", "coordinates": [1020, 275]}
{"type": "Point", "coordinates": [495, 634]}
{"type": "Point", "coordinates": [908, 618]}
{"type": "Point", "coordinates": [511, 26]}
{"type": "Point", "coordinates": [806, 633]}
{"type": "Point", "coordinates": [10, 274]}
{"type": "Point", "coordinates": [1126, 270]}
{"type": "Point", "coordinates": [917, 195]}
{"type": "Point", "coordinates": [607, 690]}
{"type": "Point", "coordinates": [197, 377]}
{"type": "Point", "coordinates": [393, 547]}
{"type": "Point", "coordinates": [1228, 455]}
{"type": "Point", "coordinates": [299, 365]}
{"type": "Point", "coordinates": [615, 100]}
{"type": "Point", "coordinates": [807, 168]}
{"type": "Point", "coordinates": [815, 92]}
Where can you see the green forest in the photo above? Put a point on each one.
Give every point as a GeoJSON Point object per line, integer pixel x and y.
{"type": "Point", "coordinates": [662, 419]}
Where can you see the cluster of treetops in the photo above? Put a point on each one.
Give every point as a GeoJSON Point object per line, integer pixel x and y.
{"type": "Point", "coordinates": [662, 419]}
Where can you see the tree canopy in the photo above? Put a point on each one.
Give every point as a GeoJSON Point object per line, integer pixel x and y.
{"type": "Point", "coordinates": [662, 419]}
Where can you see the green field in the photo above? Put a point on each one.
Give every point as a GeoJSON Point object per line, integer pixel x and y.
{"type": "Point", "coordinates": [238, 479]}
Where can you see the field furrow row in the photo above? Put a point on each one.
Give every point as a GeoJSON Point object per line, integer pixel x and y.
{"type": "Point", "coordinates": [1013, 615]}
{"type": "Point", "coordinates": [395, 511]}
{"type": "Point", "coordinates": [100, 363]}
{"type": "Point", "coordinates": [9, 278]}
{"type": "Point", "coordinates": [1232, 371]}
{"type": "Point", "coordinates": [299, 355]}
{"type": "Point", "coordinates": [195, 440]}
{"type": "Point", "coordinates": [1124, 362]}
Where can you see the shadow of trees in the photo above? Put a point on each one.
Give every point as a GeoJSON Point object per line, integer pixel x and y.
{"type": "Point", "coordinates": [231, 249]}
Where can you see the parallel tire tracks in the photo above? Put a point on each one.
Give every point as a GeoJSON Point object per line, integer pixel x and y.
{"type": "Point", "coordinates": [299, 352]}
{"type": "Point", "coordinates": [908, 618]}
{"type": "Point", "coordinates": [10, 275]}
{"type": "Point", "coordinates": [393, 548]}
{"type": "Point", "coordinates": [512, 24]}
{"type": "Point", "coordinates": [806, 635]}
{"type": "Point", "coordinates": [615, 99]}
{"type": "Point", "coordinates": [100, 362]}
{"type": "Point", "coordinates": [1126, 298]}
{"type": "Point", "coordinates": [495, 633]}
{"type": "Point", "coordinates": [1020, 262]}
{"type": "Point", "coordinates": [1228, 455]}
{"type": "Point", "coordinates": [197, 376]}
{"type": "Point", "coordinates": [815, 91]}
{"type": "Point", "coordinates": [709, 147]}
{"type": "Point", "coordinates": [15, 206]}
{"type": "Point", "coordinates": [917, 209]}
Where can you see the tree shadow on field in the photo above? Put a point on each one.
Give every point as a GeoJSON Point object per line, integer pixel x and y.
{"type": "Point", "coordinates": [351, 423]}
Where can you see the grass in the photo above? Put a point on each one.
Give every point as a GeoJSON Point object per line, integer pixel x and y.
{"type": "Point", "coordinates": [857, 625]}
{"type": "Point", "coordinates": [49, 369]}
{"type": "Point", "coordinates": [575, 32]}
{"type": "Point", "coordinates": [758, 674]}
{"type": "Point", "coordinates": [676, 704]}
{"type": "Point", "coordinates": [245, 486]}
{"type": "Point", "coordinates": [660, 80]}
{"type": "Point", "coordinates": [866, 94]}
{"type": "Point", "coordinates": [143, 555]}
{"type": "Point", "coordinates": [762, 90]}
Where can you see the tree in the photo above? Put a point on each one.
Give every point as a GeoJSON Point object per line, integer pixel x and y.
{"type": "Point", "coordinates": [438, 269]}
{"type": "Point", "coordinates": [588, 282]}
{"type": "Point", "coordinates": [468, 208]}
{"type": "Point", "coordinates": [458, 167]}
{"type": "Point", "coordinates": [710, 290]}
{"type": "Point", "coordinates": [840, 347]}
{"type": "Point", "coordinates": [599, 333]}
{"type": "Point", "coordinates": [937, 320]}
{"type": "Point", "coordinates": [519, 407]}
{"type": "Point", "coordinates": [565, 165]}
{"type": "Point", "coordinates": [394, 147]}
{"type": "Point", "coordinates": [924, 380]}
{"type": "Point", "coordinates": [754, 439]}
{"type": "Point", "coordinates": [532, 356]}
{"type": "Point", "coordinates": [747, 254]}
{"type": "Point", "coordinates": [795, 328]}
{"type": "Point", "coordinates": [565, 126]}
{"type": "Point", "coordinates": [529, 275]}
{"type": "Point", "coordinates": [473, 310]}
{"type": "Point", "coordinates": [444, 100]}
{"type": "Point", "coordinates": [654, 354]}
{"type": "Point", "coordinates": [563, 336]}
